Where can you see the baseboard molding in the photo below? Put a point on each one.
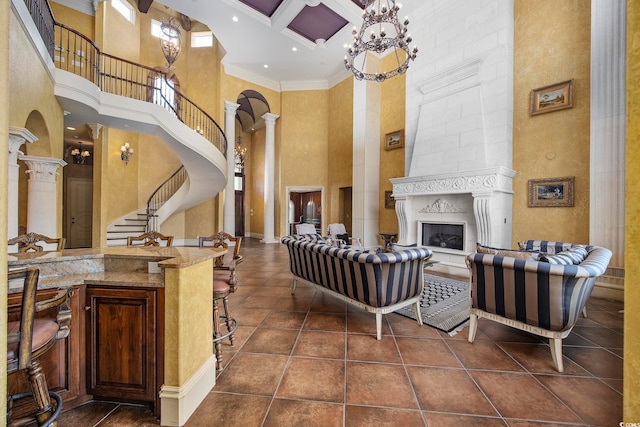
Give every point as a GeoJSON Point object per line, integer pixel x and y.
{"type": "Point", "coordinates": [179, 403]}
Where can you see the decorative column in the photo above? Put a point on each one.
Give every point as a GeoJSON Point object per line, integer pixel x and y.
{"type": "Point", "coordinates": [42, 194]}
{"type": "Point", "coordinates": [608, 130]}
{"type": "Point", "coordinates": [17, 137]}
{"type": "Point", "coordinates": [229, 215]}
{"type": "Point", "coordinates": [269, 178]}
{"type": "Point", "coordinates": [366, 161]}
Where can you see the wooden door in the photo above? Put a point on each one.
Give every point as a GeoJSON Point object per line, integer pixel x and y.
{"type": "Point", "coordinates": [121, 338]}
{"type": "Point", "coordinates": [79, 212]}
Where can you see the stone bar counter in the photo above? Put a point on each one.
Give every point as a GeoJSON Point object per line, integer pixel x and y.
{"type": "Point", "coordinates": [141, 324]}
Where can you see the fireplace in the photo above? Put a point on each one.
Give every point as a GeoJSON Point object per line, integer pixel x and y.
{"type": "Point", "coordinates": [442, 235]}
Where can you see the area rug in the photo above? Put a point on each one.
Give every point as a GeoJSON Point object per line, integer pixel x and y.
{"type": "Point", "coordinates": [444, 304]}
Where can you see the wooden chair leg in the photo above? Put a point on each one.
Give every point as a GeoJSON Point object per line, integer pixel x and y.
{"type": "Point", "coordinates": [416, 309]}
{"type": "Point", "coordinates": [216, 335]}
{"type": "Point", "coordinates": [473, 327]}
{"type": "Point", "coordinates": [556, 353]}
{"type": "Point", "coordinates": [40, 393]}
{"type": "Point", "coordinates": [379, 326]}
{"type": "Point", "coordinates": [227, 319]}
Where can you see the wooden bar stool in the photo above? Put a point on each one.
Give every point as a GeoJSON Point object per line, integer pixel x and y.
{"type": "Point", "coordinates": [223, 285]}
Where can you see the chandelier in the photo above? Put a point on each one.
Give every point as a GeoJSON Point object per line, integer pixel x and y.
{"type": "Point", "coordinates": [240, 154]}
{"type": "Point", "coordinates": [380, 31]}
{"type": "Point", "coordinates": [170, 42]}
{"type": "Point", "coordinates": [79, 154]}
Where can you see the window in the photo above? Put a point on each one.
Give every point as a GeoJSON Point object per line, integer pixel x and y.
{"type": "Point", "coordinates": [201, 39]}
{"type": "Point", "coordinates": [165, 94]}
{"type": "Point", "coordinates": [125, 9]}
{"type": "Point", "coordinates": [156, 31]}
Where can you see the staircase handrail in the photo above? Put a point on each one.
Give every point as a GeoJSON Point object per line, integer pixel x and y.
{"type": "Point", "coordinates": [72, 51]}
{"type": "Point", "coordinates": [163, 193]}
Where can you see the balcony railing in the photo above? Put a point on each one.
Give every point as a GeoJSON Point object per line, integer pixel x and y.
{"type": "Point", "coordinates": [73, 52]}
{"type": "Point", "coordinates": [163, 193]}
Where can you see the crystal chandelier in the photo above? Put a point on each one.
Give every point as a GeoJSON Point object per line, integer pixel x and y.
{"type": "Point", "coordinates": [79, 154]}
{"type": "Point", "coordinates": [380, 31]}
{"type": "Point", "coordinates": [170, 42]}
{"type": "Point", "coordinates": [240, 154]}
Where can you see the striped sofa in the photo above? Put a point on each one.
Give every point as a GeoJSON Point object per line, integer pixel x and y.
{"type": "Point", "coordinates": [535, 296]}
{"type": "Point", "coordinates": [380, 283]}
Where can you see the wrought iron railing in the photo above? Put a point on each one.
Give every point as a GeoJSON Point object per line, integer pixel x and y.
{"type": "Point", "coordinates": [72, 51]}
{"type": "Point", "coordinates": [162, 194]}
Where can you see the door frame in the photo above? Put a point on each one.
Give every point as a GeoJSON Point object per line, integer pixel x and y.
{"type": "Point", "coordinates": [304, 189]}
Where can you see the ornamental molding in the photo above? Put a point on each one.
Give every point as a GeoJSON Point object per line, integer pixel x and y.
{"type": "Point", "coordinates": [441, 206]}
{"type": "Point", "coordinates": [495, 179]}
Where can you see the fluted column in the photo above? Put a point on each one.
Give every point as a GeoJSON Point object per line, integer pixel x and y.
{"type": "Point", "coordinates": [17, 137]}
{"type": "Point", "coordinates": [269, 178]}
{"type": "Point", "coordinates": [608, 116]}
{"type": "Point", "coordinates": [229, 214]}
{"type": "Point", "coordinates": [42, 194]}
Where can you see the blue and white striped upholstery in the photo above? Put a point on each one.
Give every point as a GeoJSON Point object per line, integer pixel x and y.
{"type": "Point", "coordinates": [375, 279]}
{"type": "Point", "coordinates": [536, 293]}
{"type": "Point", "coordinates": [546, 246]}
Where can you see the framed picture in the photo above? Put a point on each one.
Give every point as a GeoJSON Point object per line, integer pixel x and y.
{"type": "Point", "coordinates": [552, 98]}
{"type": "Point", "coordinates": [551, 192]}
{"type": "Point", "coordinates": [389, 202]}
{"type": "Point", "coordinates": [394, 140]}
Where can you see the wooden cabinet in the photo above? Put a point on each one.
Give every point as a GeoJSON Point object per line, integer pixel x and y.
{"type": "Point", "coordinates": [123, 342]}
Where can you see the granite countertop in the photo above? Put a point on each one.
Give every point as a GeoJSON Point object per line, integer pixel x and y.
{"type": "Point", "coordinates": [174, 257]}
{"type": "Point", "coordinates": [73, 267]}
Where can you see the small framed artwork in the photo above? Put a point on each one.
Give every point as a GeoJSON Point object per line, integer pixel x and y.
{"type": "Point", "coordinates": [552, 98]}
{"type": "Point", "coordinates": [389, 202]}
{"type": "Point", "coordinates": [394, 140]}
{"type": "Point", "coordinates": [551, 192]}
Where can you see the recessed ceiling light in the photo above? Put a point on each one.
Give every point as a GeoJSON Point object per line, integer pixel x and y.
{"type": "Point", "coordinates": [346, 46]}
{"type": "Point", "coordinates": [71, 128]}
{"type": "Point", "coordinates": [295, 49]}
{"type": "Point", "coordinates": [235, 19]}
{"type": "Point", "coordinates": [266, 65]}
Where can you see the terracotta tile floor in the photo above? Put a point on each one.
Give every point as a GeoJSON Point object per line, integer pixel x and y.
{"type": "Point", "coordinates": [311, 360]}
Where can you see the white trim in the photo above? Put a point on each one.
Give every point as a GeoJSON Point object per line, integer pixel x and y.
{"type": "Point", "coordinates": [179, 403]}
{"type": "Point", "coordinates": [238, 72]}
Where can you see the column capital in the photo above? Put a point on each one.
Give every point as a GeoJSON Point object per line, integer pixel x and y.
{"type": "Point", "coordinates": [270, 118]}
{"type": "Point", "coordinates": [230, 107]}
{"type": "Point", "coordinates": [42, 168]}
{"type": "Point", "coordinates": [94, 130]}
{"type": "Point", "coordinates": [17, 137]}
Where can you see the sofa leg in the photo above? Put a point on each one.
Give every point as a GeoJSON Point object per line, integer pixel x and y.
{"type": "Point", "coordinates": [293, 287]}
{"type": "Point", "coordinates": [416, 309]}
{"type": "Point", "coordinates": [556, 353]}
{"type": "Point", "coordinates": [584, 312]}
{"type": "Point", "coordinates": [473, 327]}
{"type": "Point", "coordinates": [379, 326]}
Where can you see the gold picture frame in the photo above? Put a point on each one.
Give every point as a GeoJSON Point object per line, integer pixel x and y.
{"type": "Point", "coordinates": [551, 192]}
{"type": "Point", "coordinates": [389, 201]}
{"type": "Point", "coordinates": [394, 140]}
{"type": "Point", "coordinates": [551, 98]}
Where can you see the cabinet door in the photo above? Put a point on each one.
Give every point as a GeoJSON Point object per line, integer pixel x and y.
{"type": "Point", "coordinates": [122, 343]}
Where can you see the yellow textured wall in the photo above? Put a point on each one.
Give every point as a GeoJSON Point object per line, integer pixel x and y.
{"type": "Point", "coordinates": [304, 154]}
{"type": "Point", "coordinates": [554, 144]}
{"type": "Point", "coordinates": [256, 201]}
{"type": "Point", "coordinates": [112, 30]}
{"type": "Point", "coordinates": [392, 114]}
{"type": "Point", "coordinates": [4, 142]}
{"type": "Point", "coordinates": [188, 342]}
{"type": "Point", "coordinates": [339, 146]}
{"type": "Point", "coordinates": [79, 21]}
{"type": "Point", "coordinates": [33, 106]}
{"type": "Point", "coordinates": [631, 387]}
{"type": "Point", "coordinates": [119, 180]}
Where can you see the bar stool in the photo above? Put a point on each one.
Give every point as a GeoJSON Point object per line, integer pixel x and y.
{"type": "Point", "coordinates": [222, 287]}
{"type": "Point", "coordinates": [29, 242]}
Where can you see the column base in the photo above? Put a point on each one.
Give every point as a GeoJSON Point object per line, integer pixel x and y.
{"type": "Point", "coordinates": [271, 240]}
{"type": "Point", "coordinates": [179, 403]}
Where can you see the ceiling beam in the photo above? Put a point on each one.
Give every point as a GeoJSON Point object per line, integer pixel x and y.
{"type": "Point", "coordinates": [186, 22]}
{"type": "Point", "coordinates": [144, 5]}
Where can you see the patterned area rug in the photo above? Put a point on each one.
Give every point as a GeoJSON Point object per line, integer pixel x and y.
{"type": "Point", "coordinates": [444, 304]}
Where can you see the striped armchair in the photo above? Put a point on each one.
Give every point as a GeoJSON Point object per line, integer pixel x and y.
{"type": "Point", "coordinates": [535, 296]}
{"type": "Point", "coordinates": [379, 282]}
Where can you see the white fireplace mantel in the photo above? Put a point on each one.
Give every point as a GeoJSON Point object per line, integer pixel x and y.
{"type": "Point", "coordinates": [492, 192]}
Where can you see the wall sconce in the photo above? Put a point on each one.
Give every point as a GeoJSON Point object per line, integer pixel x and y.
{"type": "Point", "coordinates": [126, 152]}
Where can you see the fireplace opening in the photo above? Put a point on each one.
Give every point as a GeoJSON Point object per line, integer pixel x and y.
{"type": "Point", "coordinates": [443, 235]}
